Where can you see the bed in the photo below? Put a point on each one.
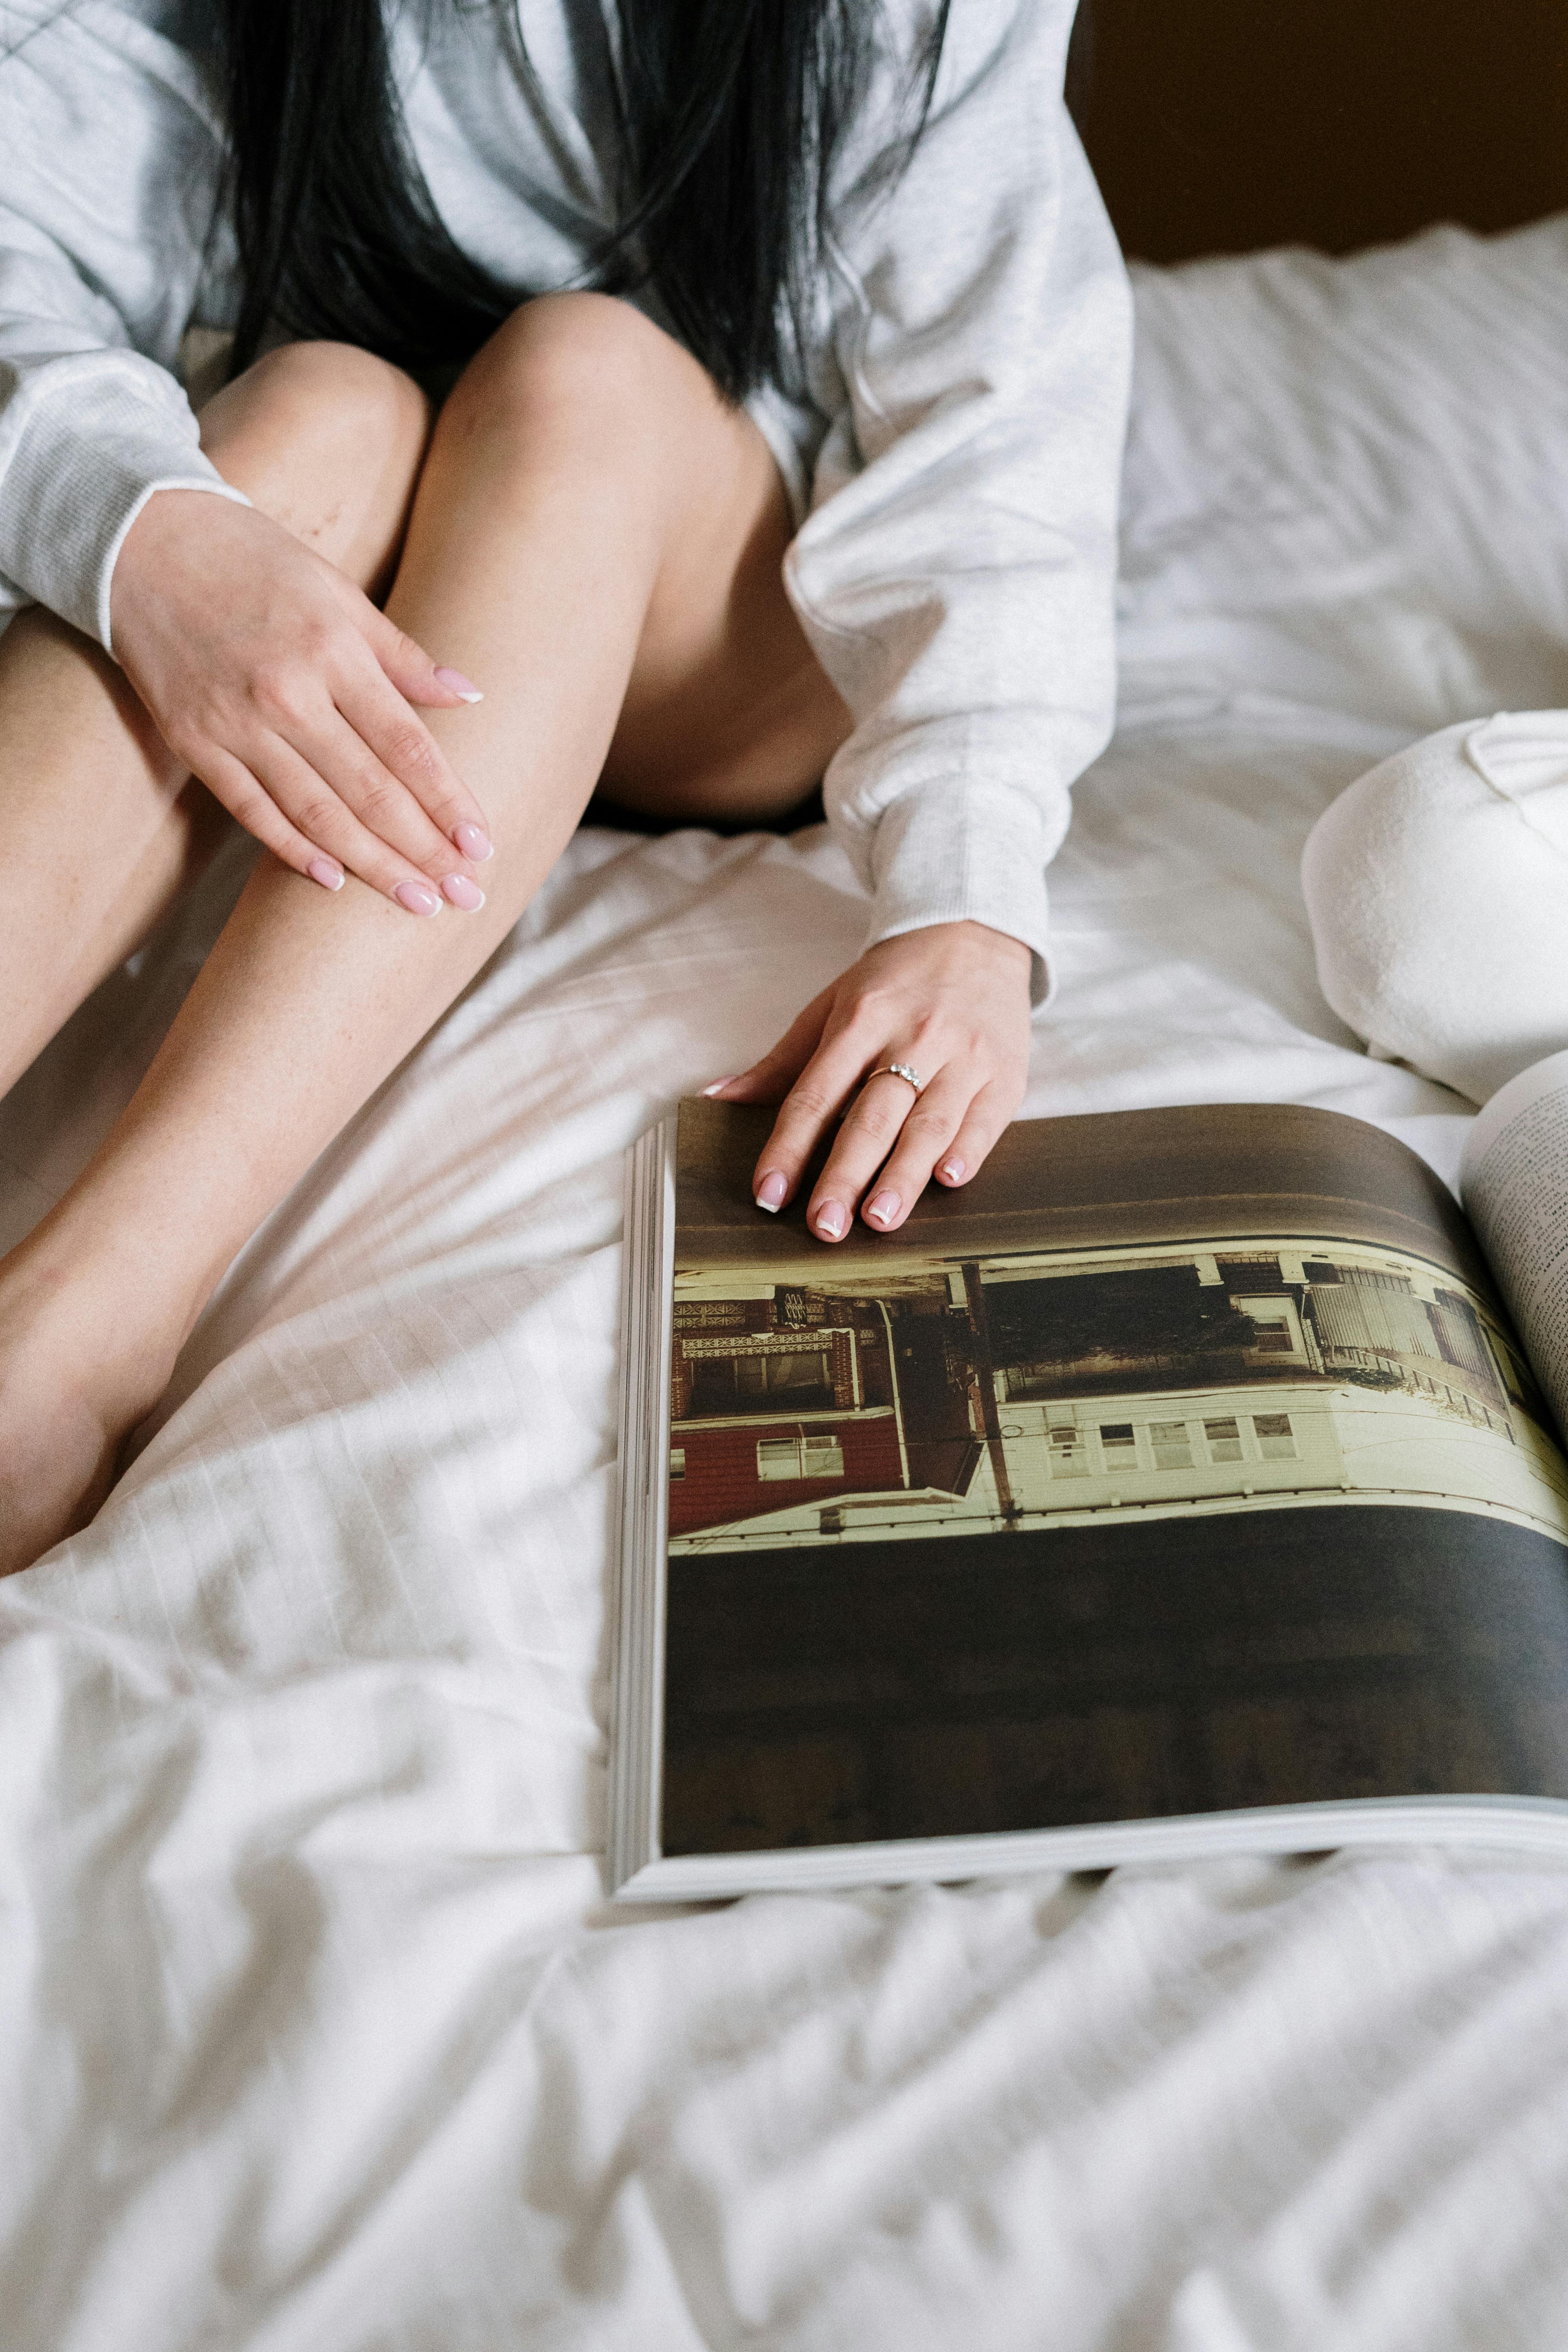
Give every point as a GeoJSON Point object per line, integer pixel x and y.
{"type": "Point", "coordinates": [321, 2036]}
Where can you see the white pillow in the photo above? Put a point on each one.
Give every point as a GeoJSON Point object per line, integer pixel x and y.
{"type": "Point", "coordinates": [1438, 889]}
{"type": "Point", "coordinates": [1344, 514]}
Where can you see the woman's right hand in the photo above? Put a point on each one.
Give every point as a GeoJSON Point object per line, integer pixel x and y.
{"type": "Point", "coordinates": [289, 695]}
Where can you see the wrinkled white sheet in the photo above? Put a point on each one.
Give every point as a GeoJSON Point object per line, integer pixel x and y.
{"type": "Point", "coordinates": [319, 2035]}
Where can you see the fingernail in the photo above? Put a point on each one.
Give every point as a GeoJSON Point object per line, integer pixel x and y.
{"type": "Point", "coordinates": [327, 872]}
{"type": "Point", "coordinates": [830, 1220]}
{"type": "Point", "coordinates": [458, 891]}
{"type": "Point", "coordinates": [770, 1193]}
{"type": "Point", "coordinates": [474, 842]}
{"type": "Point", "coordinates": [951, 1169]}
{"type": "Point", "coordinates": [463, 687]}
{"type": "Point", "coordinates": [418, 898]}
{"type": "Point", "coordinates": [718, 1086]}
{"type": "Point", "coordinates": [883, 1208]}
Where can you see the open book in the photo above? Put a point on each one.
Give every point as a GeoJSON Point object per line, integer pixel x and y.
{"type": "Point", "coordinates": [1182, 1483]}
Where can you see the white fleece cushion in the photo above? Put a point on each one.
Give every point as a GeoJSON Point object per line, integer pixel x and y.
{"type": "Point", "coordinates": [1438, 891]}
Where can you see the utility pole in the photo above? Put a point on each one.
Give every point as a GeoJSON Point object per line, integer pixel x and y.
{"type": "Point", "coordinates": [990, 1421]}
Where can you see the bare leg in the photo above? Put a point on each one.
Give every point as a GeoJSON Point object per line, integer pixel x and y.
{"type": "Point", "coordinates": [102, 828]}
{"type": "Point", "coordinates": [593, 530]}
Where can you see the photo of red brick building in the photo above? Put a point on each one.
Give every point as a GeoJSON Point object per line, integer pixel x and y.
{"type": "Point", "coordinates": [802, 1396]}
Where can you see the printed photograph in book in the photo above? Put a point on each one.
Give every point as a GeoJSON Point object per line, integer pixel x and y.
{"type": "Point", "coordinates": [1186, 1461]}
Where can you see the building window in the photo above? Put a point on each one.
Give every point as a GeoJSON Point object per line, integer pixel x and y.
{"type": "Point", "coordinates": [1119, 1443]}
{"type": "Point", "coordinates": [801, 1379]}
{"type": "Point", "coordinates": [1067, 1452]}
{"type": "Point", "coordinates": [763, 1375]}
{"type": "Point", "coordinates": [1276, 1328]}
{"type": "Point", "coordinates": [800, 1457]}
{"type": "Point", "coordinates": [1172, 1448]}
{"type": "Point", "coordinates": [1271, 1336]}
{"type": "Point", "coordinates": [677, 1461]}
{"type": "Point", "coordinates": [1275, 1438]}
{"type": "Point", "coordinates": [1224, 1439]}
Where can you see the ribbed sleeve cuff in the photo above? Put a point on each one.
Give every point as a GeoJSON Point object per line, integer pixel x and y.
{"type": "Point", "coordinates": [95, 446]}
{"type": "Point", "coordinates": [957, 852]}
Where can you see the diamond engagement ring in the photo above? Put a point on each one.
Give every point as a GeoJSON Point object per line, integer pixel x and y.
{"type": "Point", "coordinates": [912, 1077]}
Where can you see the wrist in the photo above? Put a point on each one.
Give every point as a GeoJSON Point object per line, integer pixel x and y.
{"type": "Point", "coordinates": [169, 520]}
{"type": "Point", "coordinates": [964, 938]}
{"type": "Point", "coordinates": [1003, 944]}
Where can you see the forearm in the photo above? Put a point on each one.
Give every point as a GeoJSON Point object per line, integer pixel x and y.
{"type": "Point", "coordinates": [74, 735]}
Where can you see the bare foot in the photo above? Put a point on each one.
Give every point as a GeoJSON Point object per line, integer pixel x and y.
{"type": "Point", "coordinates": [75, 1380]}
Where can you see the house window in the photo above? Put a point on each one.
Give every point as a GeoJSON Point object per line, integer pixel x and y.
{"type": "Point", "coordinates": [812, 1456]}
{"type": "Point", "coordinates": [763, 1375]}
{"type": "Point", "coordinates": [1224, 1439]}
{"type": "Point", "coordinates": [1119, 1443]}
{"type": "Point", "coordinates": [800, 1380]}
{"type": "Point", "coordinates": [1275, 1438]}
{"type": "Point", "coordinates": [1172, 1449]}
{"type": "Point", "coordinates": [677, 1461]}
{"type": "Point", "coordinates": [1067, 1452]}
{"type": "Point", "coordinates": [1271, 1335]}
{"type": "Point", "coordinates": [1276, 1330]}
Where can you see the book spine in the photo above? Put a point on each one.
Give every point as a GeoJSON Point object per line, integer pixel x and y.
{"type": "Point", "coordinates": [642, 1507]}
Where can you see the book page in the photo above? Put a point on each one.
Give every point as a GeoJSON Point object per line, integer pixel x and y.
{"type": "Point", "coordinates": [1515, 1182]}
{"type": "Point", "coordinates": [1182, 1460]}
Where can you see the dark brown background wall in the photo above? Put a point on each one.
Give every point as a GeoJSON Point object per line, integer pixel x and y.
{"type": "Point", "coordinates": [1217, 126]}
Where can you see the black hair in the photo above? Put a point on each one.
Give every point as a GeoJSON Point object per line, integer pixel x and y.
{"type": "Point", "coordinates": [732, 114]}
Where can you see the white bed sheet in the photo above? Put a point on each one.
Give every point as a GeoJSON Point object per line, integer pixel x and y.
{"type": "Point", "coordinates": [320, 2035]}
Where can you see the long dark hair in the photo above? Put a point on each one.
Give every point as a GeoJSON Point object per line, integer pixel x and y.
{"type": "Point", "coordinates": [733, 111]}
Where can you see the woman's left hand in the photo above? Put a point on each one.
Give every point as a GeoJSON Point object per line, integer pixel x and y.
{"type": "Point", "coordinates": [952, 1002]}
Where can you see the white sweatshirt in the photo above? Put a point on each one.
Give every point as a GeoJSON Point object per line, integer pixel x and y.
{"type": "Point", "coordinates": [953, 468]}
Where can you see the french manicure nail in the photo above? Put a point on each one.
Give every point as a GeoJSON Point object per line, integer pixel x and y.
{"type": "Point", "coordinates": [327, 872]}
{"type": "Point", "coordinates": [458, 891]}
{"type": "Point", "coordinates": [718, 1086]}
{"type": "Point", "coordinates": [474, 842]}
{"type": "Point", "coordinates": [951, 1169]}
{"type": "Point", "coordinates": [883, 1208]}
{"type": "Point", "coordinates": [830, 1220]}
{"type": "Point", "coordinates": [770, 1193]}
{"type": "Point", "coordinates": [418, 898]}
{"type": "Point", "coordinates": [463, 687]}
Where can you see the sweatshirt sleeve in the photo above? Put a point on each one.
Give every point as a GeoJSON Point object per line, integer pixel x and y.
{"type": "Point", "coordinates": [110, 155]}
{"type": "Point", "coordinates": [956, 574]}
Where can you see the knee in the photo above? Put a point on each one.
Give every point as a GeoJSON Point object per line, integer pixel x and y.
{"type": "Point", "coordinates": [580, 358]}
{"type": "Point", "coordinates": [1438, 891]}
{"type": "Point", "coordinates": [336, 395]}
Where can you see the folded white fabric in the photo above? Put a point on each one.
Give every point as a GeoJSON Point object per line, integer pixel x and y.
{"type": "Point", "coordinates": [1438, 891]}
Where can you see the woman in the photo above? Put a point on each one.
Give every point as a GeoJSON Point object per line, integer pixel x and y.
{"type": "Point", "coordinates": [782, 350]}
